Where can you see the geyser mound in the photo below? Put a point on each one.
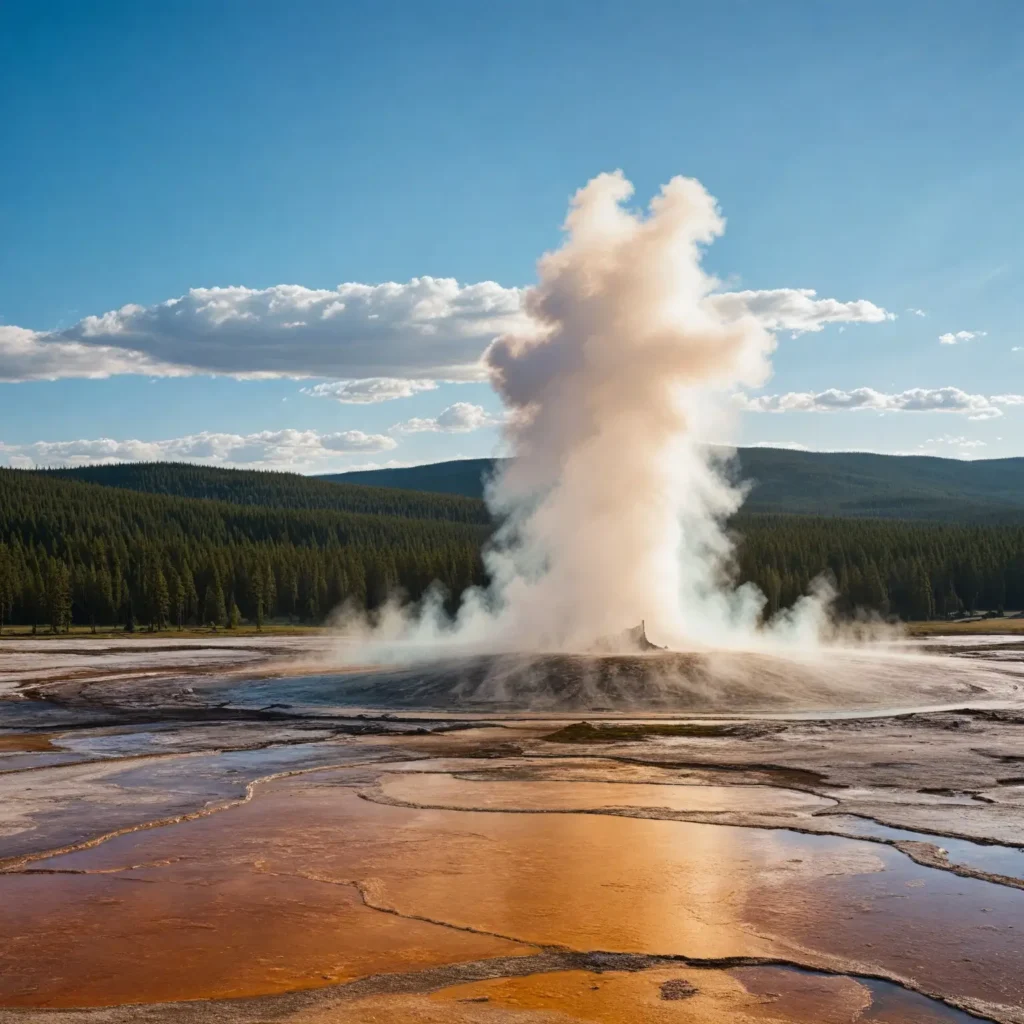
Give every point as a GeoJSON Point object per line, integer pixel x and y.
{"type": "Point", "coordinates": [678, 682]}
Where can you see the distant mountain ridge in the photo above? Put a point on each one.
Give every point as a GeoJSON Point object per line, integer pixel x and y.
{"type": "Point", "coordinates": [276, 490]}
{"type": "Point", "coordinates": [859, 484]}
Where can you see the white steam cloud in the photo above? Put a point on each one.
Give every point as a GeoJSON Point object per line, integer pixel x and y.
{"type": "Point", "coordinates": [613, 510]}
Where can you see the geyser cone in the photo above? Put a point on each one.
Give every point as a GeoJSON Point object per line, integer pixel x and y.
{"type": "Point", "coordinates": [676, 683]}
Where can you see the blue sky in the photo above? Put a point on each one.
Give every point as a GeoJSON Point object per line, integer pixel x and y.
{"type": "Point", "coordinates": [868, 151]}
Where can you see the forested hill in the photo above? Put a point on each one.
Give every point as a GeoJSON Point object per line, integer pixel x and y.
{"type": "Point", "coordinates": [72, 551]}
{"type": "Point", "coordinates": [276, 490]}
{"type": "Point", "coordinates": [809, 483]}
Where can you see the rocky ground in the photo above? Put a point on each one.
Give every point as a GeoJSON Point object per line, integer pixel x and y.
{"type": "Point", "coordinates": [239, 831]}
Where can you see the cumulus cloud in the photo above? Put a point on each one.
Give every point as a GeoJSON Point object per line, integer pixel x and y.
{"type": "Point", "coordinates": [460, 418]}
{"type": "Point", "coordinates": [954, 339]}
{"type": "Point", "coordinates": [797, 309]}
{"type": "Point", "coordinates": [268, 449]}
{"type": "Point", "coordinates": [29, 355]}
{"type": "Point", "coordinates": [370, 390]}
{"type": "Point", "coordinates": [949, 399]}
{"type": "Point", "coordinates": [426, 329]}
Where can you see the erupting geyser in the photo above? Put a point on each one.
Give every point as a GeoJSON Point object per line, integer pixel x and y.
{"type": "Point", "coordinates": [613, 506]}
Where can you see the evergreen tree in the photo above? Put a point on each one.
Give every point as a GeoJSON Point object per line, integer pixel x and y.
{"type": "Point", "coordinates": [157, 599]}
{"type": "Point", "coordinates": [58, 596]}
{"type": "Point", "coordinates": [214, 611]}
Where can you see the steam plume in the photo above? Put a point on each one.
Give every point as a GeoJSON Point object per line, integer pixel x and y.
{"type": "Point", "coordinates": [613, 509]}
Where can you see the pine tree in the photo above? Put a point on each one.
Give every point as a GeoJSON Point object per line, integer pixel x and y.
{"type": "Point", "coordinates": [158, 601]}
{"type": "Point", "coordinates": [176, 592]}
{"type": "Point", "coordinates": [8, 584]}
{"type": "Point", "coordinates": [214, 611]}
{"type": "Point", "coordinates": [876, 596]}
{"type": "Point", "coordinates": [58, 596]}
{"type": "Point", "coordinates": [269, 589]}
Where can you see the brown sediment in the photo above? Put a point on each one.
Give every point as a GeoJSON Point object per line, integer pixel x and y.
{"type": "Point", "coordinates": [31, 742]}
{"type": "Point", "coordinates": [217, 936]}
{"type": "Point", "coordinates": [585, 732]}
{"type": "Point", "coordinates": [618, 998]}
{"type": "Point", "coordinates": [546, 987]}
{"type": "Point", "coordinates": [450, 792]}
{"type": "Point", "coordinates": [746, 806]}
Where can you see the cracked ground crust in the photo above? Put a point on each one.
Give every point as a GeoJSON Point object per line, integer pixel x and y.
{"type": "Point", "coordinates": [961, 781]}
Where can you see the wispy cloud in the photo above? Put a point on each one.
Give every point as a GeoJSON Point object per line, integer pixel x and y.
{"type": "Point", "coordinates": [798, 309]}
{"type": "Point", "coordinates": [947, 400]}
{"type": "Point", "coordinates": [957, 442]}
{"type": "Point", "coordinates": [268, 449]}
{"type": "Point", "coordinates": [955, 339]}
{"type": "Point", "coordinates": [793, 446]}
{"type": "Point", "coordinates": [370, 390]}
{"type": "Point", "coordinates": [916, 312]}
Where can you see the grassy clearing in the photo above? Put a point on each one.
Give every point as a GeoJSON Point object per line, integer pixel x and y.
{"type": "Point", "coordinates": [977, 627]}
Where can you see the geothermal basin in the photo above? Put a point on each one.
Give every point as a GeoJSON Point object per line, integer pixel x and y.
{"type": "Point", "coordinates": [264, 830]}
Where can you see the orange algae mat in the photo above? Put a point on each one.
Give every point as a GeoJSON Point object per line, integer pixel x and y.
{"type": "Point", "coordinates": [309, 885]}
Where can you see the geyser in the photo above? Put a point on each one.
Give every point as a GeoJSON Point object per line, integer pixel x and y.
{"type": "Point", "coordinates": [613, 506]}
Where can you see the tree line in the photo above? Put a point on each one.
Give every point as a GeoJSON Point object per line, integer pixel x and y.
{"type": "Point", "coordinates": [915, 571]}
{"type": "Point", "coordinates": [81, 553]}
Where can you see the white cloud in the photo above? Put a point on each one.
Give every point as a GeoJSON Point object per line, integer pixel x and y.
{"type": "Point", "coordinates": [268, 449]}
{"type": "Point", "coordinates": [793, 446]}
{"type": "Point", "coordinates": [370, 390]}
{"type": "Point", "coordinates": [1017, 348]}
{"type": "Point", "coordinates": [916, 312]}
{"type": "Point", "coordinates": [955, 339]}
{"type": "Point", "coordinates": [356, 467]}
{"type": "Point", "coordinates": [426, 329]}
{"type": "Point", "coordinates": [797, 309]}
{"type": "Point", "coordinates": [28, 355]}
{"type": "Point", "coordinates": [460, 418]}
{"type": "Point", "coordinates": [957, 442]}
{"type": "Point", "coordinates": [950, 400]}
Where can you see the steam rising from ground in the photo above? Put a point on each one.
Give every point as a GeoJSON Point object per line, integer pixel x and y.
{"type": "Point", "coordinates": [613, 509]}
